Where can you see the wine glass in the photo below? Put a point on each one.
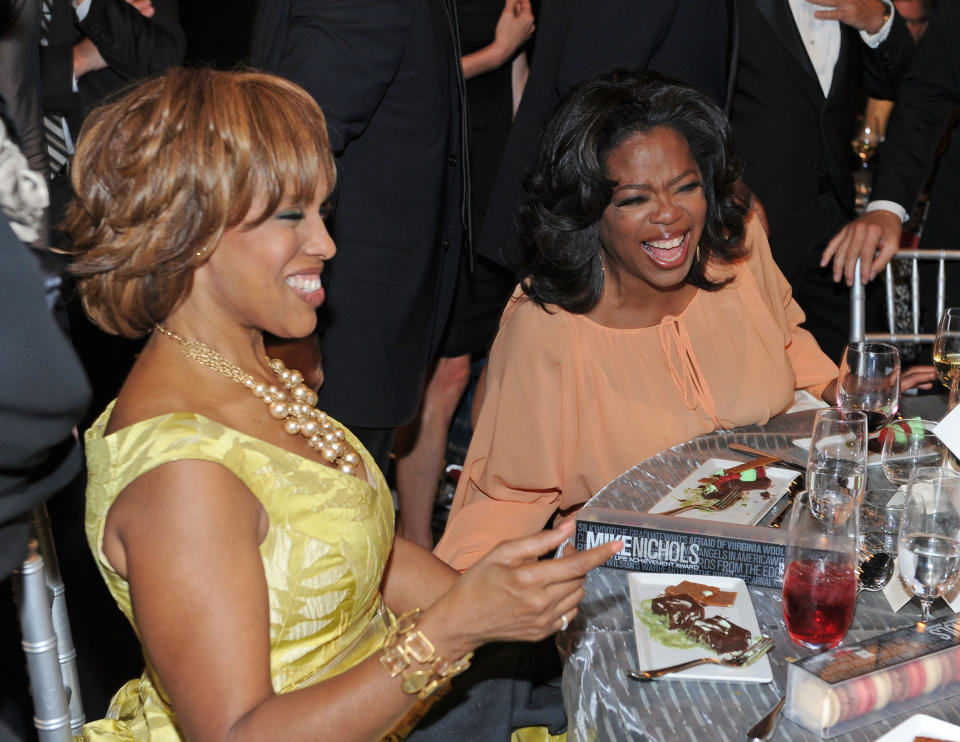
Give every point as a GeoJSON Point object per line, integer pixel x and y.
{"type": "Point", "coordinates": [909, 445]}
{"type": "Point", "coordinates": [820, 582]}
{"type": "Point", "coordinates": [946, 346]}
{"type": "Point", "coordinates": [870, 381]}
{"type": "Point", "coordinates": [865, 143]}
{"type": "Point", "coordinates": [929, 542]}
{"type": "Point", "coordinates": [837, 458]}
{"type": "Point", "coordinates": [953, 398]}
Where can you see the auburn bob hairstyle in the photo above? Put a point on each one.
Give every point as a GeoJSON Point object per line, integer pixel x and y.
{"type": "Point", "coordinates": [161, 172]}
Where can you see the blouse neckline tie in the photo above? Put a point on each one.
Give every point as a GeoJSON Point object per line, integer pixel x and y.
{"type": "Point", "coordinates": [685, 372]}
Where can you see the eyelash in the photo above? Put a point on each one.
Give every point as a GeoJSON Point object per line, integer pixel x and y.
{"type": "Point", "coordinates": [640, 200]}
{"type": "Point", "coordinates": [297, 214]}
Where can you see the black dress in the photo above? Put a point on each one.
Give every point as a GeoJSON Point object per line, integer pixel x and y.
{"type": "Point", "coordinates": [480, 298]}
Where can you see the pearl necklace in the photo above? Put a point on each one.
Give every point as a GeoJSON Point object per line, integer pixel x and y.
{"type": "Point", "coordinates": [295, 406]}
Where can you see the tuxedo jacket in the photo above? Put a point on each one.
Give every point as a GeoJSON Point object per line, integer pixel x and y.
{"type": "Point", "coordinates": [133, 47]}
{"type": "Point", "coordinates": [929, 93]}
{"type": "Point", "coordinates": [794, 140]}
{"type": "Point", "coordinates": [579, 39]}
{"type": "Point", "coordinates": [386, 74]}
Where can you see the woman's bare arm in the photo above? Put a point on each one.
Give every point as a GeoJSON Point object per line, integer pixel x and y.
{"type": "Point", "coordinates": [187, 537]}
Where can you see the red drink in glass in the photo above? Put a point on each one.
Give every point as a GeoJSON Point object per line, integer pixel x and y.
{"type": "Point", "coordinates": [818, 601]}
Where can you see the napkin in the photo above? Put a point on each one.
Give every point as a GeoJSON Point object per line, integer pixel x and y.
{"type": "Point", "coordinates": [948, 430]}
{"type": "Point", "coordinates": [895, 592]}
{"type": "Point", "coordinates": [897, 595]}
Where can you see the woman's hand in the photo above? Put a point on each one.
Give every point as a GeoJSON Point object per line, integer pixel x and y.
{"type": "Point", "coordinates": [514, 27]}
{"type": "Point", "coordinates": [829, 394]}
{"type": "Point", "coordinates": [918, 377]}
{"type": "Point", "coordinates": [511, 595]}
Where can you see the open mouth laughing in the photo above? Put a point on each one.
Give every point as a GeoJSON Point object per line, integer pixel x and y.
{"type": "Point", "coordinates": [307, 286]}
{"type": "Point", "coordinates": [668, 252]}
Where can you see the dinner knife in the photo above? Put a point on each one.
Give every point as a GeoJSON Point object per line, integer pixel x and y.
{"type": "Point", "coordinates": [739, 447]}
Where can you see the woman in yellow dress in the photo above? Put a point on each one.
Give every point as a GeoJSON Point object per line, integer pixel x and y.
{"type": "Point", "coordinates": [247, 537]}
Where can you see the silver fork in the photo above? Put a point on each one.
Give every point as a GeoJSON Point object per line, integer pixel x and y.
{"type": "Point", "coordinates": [722, 504]}
{"type": "Point", "coordinates": [743, 658]}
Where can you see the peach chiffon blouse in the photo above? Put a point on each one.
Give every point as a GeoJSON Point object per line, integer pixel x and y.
{"type": "Point", "coordinates": [571, 404]}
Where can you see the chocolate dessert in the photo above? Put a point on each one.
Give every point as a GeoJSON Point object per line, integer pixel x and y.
{"type": "Point", "coordinates": [680, 610]}
{"type": "Point", "coordinates": [717, 486]}
{"type": "Point", "coordinates": [719, 634]}
{"type": "Point", "coordinates": [683, 608]}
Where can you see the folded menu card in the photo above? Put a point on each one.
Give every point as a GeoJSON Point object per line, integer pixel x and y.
{"type": "Point", "coordinates": [948, 430]}
{"type": "Point", "coordinates": [662, 543]}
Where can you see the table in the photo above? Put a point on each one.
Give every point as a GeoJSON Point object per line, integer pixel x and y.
{"type": "Point", "coordinates": [604, 704]}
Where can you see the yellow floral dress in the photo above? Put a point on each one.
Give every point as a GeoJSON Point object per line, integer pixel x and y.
{"type": "Point", "coordinates": [323, 557]}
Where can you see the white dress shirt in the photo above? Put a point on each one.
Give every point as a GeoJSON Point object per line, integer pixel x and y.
{"type": "Point", "coordinates": [821, 39]}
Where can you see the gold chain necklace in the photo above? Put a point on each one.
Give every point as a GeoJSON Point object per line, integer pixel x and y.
{"type": "Point", "coordinates": [294, 407]}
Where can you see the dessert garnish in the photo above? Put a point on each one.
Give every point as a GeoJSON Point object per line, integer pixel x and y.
{"type": "Point", "coordinates": [901, 431]}
{"type": "Point", "coordinates": [703, 594]}
{"type": "Point", "coordinates": [745, 477]}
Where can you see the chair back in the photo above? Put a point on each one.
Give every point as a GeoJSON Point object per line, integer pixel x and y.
{"type": "Point", "coordinates": [46, 638]}
{"type": "Point", "coordinates": [857, 298]}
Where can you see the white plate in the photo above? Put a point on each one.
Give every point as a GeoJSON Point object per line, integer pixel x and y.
{"type": "Point", "coordinates": [749, 509]}
{"type": "Point", "coordinates": [921, 725]}
{"type": "Point", "coordinates": [873, 458]}
{"type": "Point", "coordinates": [652, 654]}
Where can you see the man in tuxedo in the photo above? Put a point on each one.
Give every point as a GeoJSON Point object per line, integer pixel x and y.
{"type": "Point", "coordinates": [386, 74]}
{"type": "Point", "coordinates": [579, 39]}
{"type": "Point", "coordinates": [927, 97]}
{"type": "Point", "coordinates": [801, 75]}
{"type": "Point", "coordinates": [90, 49]}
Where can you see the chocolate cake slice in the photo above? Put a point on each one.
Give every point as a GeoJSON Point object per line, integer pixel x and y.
{"type": "Point", "coordinates": [719, 634]}
{"type": "Point", "coordinates": [680, 610]}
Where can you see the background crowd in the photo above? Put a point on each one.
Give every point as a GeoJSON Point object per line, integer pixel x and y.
{"type": "Point", "coordinates": [435, 110]}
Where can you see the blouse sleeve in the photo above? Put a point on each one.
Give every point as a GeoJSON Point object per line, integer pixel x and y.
{"type": "Point", "coordinates": [812, 367]}
{"type": "Point", "coordinates": [512, 476]}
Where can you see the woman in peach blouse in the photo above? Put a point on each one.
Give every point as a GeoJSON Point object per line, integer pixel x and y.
{"type": "Point", "coordinates": [651, 312]}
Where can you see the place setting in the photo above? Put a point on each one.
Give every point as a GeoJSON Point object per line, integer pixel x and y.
{"type": "Point", "coordinates": [720, 603]}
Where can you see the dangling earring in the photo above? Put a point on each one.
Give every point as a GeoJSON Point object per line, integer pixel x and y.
{"type": "Point", "coordinates": [696, 253]}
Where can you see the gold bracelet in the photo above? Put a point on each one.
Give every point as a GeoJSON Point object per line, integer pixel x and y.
{"type": "Point", "coordinates": [405, 644]}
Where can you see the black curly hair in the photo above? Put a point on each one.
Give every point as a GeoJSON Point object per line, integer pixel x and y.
{"type": "Point", "coordinates": [567, 187]}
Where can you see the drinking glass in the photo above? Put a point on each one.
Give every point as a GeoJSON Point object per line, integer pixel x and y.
{"type": "Point", "coordinates": [820, 583]}
{"type": "Point", "coordinates": [929, 543]}
{"type": "Point", "coordinates": [909, 445]}
{"type": "Point", "coordinates": [946, 345]}
{"type": "Point", "coordinates": [953, 398]}
{"type": "Point", "coordinates": [838, 452]}
{"type": "Point", "coordinates": [870, 381]}
{"type": "Point", "coordinates": [880, 514]}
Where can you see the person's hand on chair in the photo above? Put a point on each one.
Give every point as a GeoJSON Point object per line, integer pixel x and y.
{"type": "Point", "coordinates": [874, 238]}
